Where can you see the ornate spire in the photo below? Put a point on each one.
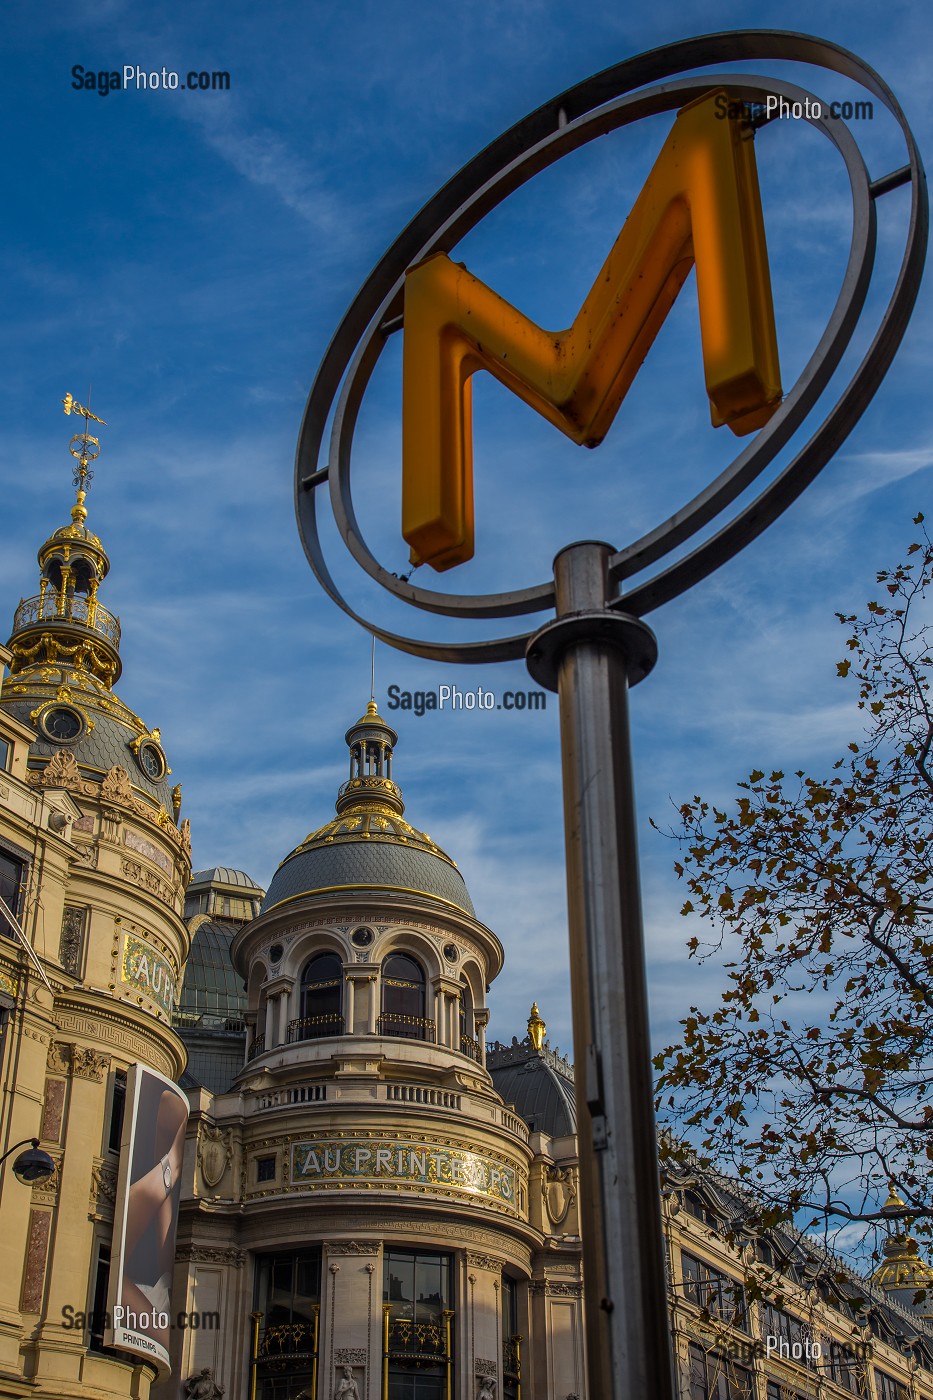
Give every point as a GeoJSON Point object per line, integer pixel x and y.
{"type": "Point", "coordinates": [371, 742]}
{"type": "Point", "coordinates": [537, 1029]}
{"type": "Point", "coordinates": [65, 625]}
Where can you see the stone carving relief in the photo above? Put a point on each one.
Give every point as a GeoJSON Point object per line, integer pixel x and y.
{"type": "Point", "coordinates": [347, 1388]}
{"type": "Point", "coordinates": [358, 1247]}
{"type": "Point", "coordinates": [147, 880]}
{"type": "Point", "coordinates": [215, 1153]}
{"type": "Point", "coordinates": [71, 944]}
{"type": "Point", "coordinates": [484, 1261]}
{"type": "Point", "coordinates": [88, 1064]}
{"type": "Point", "coordinates": [103, 1185]}
{"type": "Point", "coordinates": [559, 1190]}
{"type": "Point", "coordinates": [62, 770]}
{"type": "Point", "coordinates": [485, 1388]}
{"type": "Point", "coordinates": [116, 787]}
{"type": "Point", "coordinates": [484, 1367]}
{"type": "Point", "coordinates": [58, 1059]}
{"type": "Point", "coordinates": [202, 1386]}
{"type": "Point", "coordinates": [212, 1254]}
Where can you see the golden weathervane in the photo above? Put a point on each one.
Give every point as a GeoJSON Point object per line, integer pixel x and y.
{"type": "Point", "coordinates": [84, 447]}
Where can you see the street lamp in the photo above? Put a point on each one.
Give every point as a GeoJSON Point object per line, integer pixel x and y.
{"type": "Point", "coordinates": [32, 1166]}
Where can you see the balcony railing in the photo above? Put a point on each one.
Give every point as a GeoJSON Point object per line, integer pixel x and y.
{"type": "Point", "coordinates": [257, 1047]}
{"type": "Point", "coordinates": [417, 1345]}
{"type": "Point", "coordinates": [407, 1027]}
{"type": "Point", "coordinates": [512, 1368]}
{"type": "Point", "coordinates": [68, 607]}
{"type": "Point", "coordinates": [284, 1349]}
{"type": "Point", "coordinates": [469, 1046]}
{"type": "Point", "coordinates": [314, 1027]}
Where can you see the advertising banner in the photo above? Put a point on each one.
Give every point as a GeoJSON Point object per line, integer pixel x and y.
{"type": "Point", "coordinates": [148, 1191]}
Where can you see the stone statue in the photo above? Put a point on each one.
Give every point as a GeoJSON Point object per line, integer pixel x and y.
{"type": "Point", "coordinates": [203, 1386]}
{"type": "Point", "coordinates": [487, 1389]}
{"type": "Point", "coordinates": [347, 1388]}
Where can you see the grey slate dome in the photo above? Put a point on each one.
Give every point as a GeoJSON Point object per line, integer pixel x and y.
{"type": "Point", "coordinates": [369, 845]}
{"type": "Point", "coordinates": [536, 1080]}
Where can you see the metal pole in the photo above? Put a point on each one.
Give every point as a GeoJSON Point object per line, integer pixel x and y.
{"type": "Point", "coordinates": [590, 656]}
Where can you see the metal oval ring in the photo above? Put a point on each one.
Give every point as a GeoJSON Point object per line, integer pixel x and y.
{"type": "Point", "coordinates": [743, 469]}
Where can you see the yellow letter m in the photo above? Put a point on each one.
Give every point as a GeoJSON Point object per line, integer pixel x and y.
{"type": "Point", "coordinates": [700, 204]}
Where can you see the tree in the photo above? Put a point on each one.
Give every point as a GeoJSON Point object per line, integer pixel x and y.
{"type": "Point", "coordinates": [811, 1079]}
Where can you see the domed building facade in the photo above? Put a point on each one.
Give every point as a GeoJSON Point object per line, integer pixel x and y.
{"type": "Point", "coordinates": [365, 1209]}
{"type": "Point", "coordinates": [93, 867]}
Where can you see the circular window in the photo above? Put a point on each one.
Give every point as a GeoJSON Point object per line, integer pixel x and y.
{"type": "Point", "coordinates": [362, 937]}
{"type": "Point", "coordinates": [151, 760]}
{"type": "Point", "coordinates": [451, 952]}
{"type": "Point", "coordinates": [62, 724]}
{"type": "Point", "coordinates": [275, 953]}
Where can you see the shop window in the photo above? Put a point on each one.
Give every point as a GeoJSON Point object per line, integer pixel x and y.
{"type": "Point", "coordinates": [511, 1341]}
{"type": "Point", "coordinates": [417, 1325]}
{"type": "Point", "coordinates": [284, 1352]}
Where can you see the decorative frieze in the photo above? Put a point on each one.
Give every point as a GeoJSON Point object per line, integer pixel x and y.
{"type": "Point", "coordinates": [355, 1247]}
{"type": "Point", "coordinates": [484, 1261]}
{"type": "Point", "coordinates": [212, 1254]}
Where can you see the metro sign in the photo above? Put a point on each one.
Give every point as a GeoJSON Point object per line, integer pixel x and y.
{"type": "Point", "coordinates": [700, 205]}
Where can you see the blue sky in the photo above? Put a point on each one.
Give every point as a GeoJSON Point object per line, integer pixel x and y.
{"type": "Point", "coordinates": [189, 254]}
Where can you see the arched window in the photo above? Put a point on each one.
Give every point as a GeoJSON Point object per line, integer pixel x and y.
{"type": "Point", "coordinates": [321, 999]}
{"type": "Point", "coordinates": [403, 999]}
{"type": "Point", "coordinates": [469, 1045]}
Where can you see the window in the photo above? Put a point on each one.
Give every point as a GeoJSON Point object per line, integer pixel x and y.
{"type": "Point", "coordinates": [403, 999]}
{"type": "Point", "coordinates": [97, 1322]}
{"type": "Point", "coordinates": [265, 1169]}
{"type": "Point", "coordinates": [5, 751]}
{"type": "Point", "coordinates": [843, 1367]}
{"type": "Point", "coordinates": [781, 1392]}
{"type": "Point", "coordinates": [12, 885]}
{"type": "Point", "coordinates": [469, 1045]}
{"type": "Point", "coordinates": [117, 1106]}
{"type": "Point", "coordinates": [511, 1341]}
{"type": "Point", "coordinates": [418, 1336]}
{"type": "Point", "coordinates": [713, 1377]}
{"type": "Point", "coordinates": [321, 999]}
{"type": "Point", "coordinates": [717, 1293]}
{"type": "Point", "coordinates": [790, 1337]}
{"type": "Point", "coordinates": [695, 1205]}
{"type": "Point", "coordinates": [287, 1295]}
{"type": "Point", "coordinates": [888, 1388]}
